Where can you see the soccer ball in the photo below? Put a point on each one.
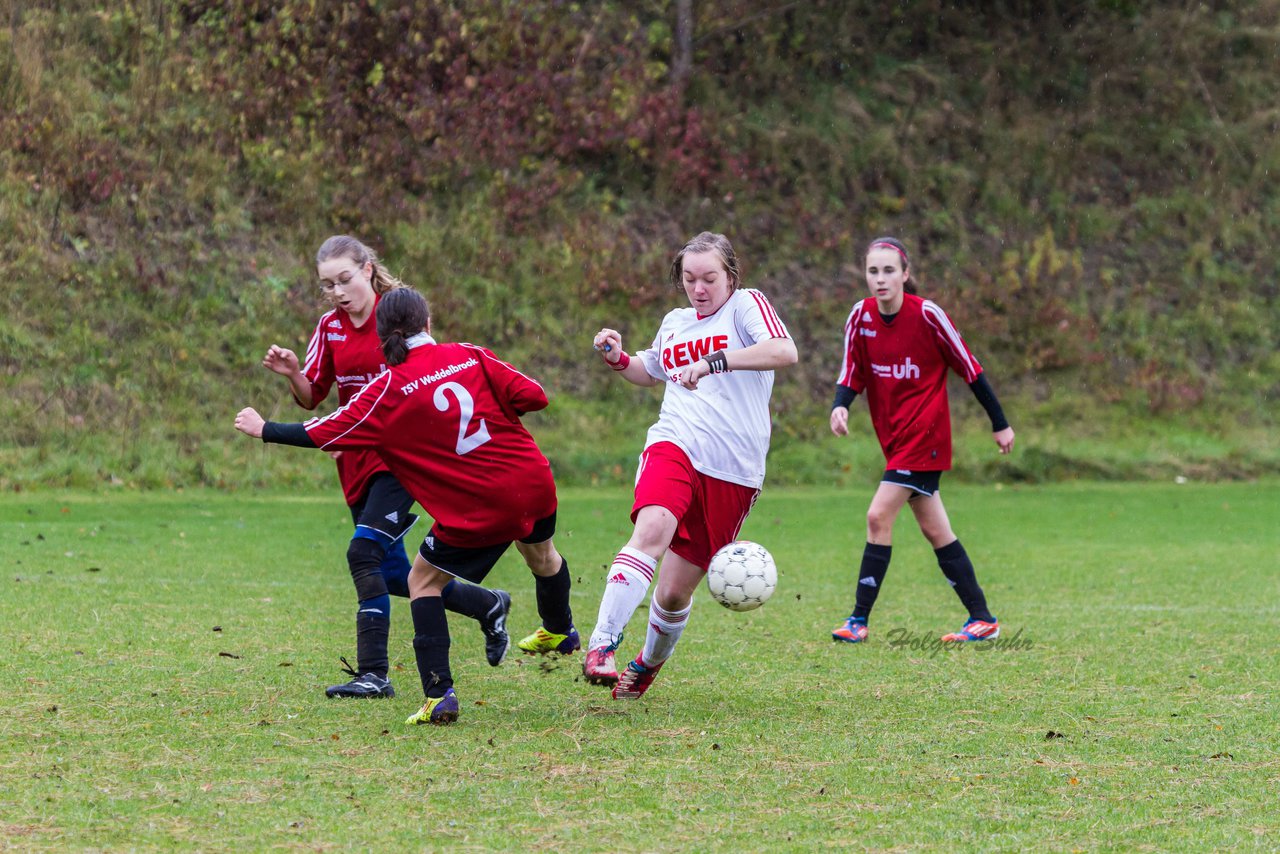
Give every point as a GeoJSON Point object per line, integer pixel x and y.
{"type": "Point", "coordinates": [742, 575]}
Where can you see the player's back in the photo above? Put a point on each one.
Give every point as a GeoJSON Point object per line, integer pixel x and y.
{"type": "Point", "coordinates": [452, 434]}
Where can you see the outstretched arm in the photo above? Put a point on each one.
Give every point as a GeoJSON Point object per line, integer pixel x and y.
{"type": "Point", "coordinates": [608, 343]}
{"type": "Point", "coordinates": [250, 423]}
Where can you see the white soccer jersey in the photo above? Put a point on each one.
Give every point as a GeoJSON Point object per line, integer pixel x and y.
{"type": "Point", "coordinates": [724, 424]}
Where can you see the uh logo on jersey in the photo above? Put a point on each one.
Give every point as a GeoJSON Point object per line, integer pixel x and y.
{"type": "Point", "coordinates": [907, 370]}
{"type": "Point", "coordinates": [687, 352]}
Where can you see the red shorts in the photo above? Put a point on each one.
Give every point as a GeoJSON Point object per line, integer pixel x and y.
{"type": "Point", "coordinates": [710, 511]}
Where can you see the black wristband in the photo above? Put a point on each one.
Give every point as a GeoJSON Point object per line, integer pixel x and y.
{"type": "Point", "coordinates": [844, 396]}
{"type": "Point", "coordinates": [718, 361]}
{"type": "Point", "coordinates": [287, 434]}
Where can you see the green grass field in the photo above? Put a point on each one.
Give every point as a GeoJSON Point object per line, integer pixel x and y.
{"type": "Point", "coordinates": [165, 656]}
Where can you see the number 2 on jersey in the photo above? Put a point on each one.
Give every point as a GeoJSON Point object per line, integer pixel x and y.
{"type": "Point", "coordinates": [466, 444]}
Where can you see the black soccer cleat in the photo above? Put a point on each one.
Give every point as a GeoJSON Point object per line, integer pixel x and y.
{"type": "Point", "coordinates": [368, 685]}
{"type": "Point", "coordinates": [494, 626]}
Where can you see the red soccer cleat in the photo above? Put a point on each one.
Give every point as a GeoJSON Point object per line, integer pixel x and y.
{"type": "Point", "coordinates": [852, 630]}
{"type": "Point", "coordinates": [634, 680]}
{"type": "Point", "coordinates": [974, 630]}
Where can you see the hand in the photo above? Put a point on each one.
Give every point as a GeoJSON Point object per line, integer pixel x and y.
{"type": "Point", "coordinates": [840, 421]}
{"type": "Point", "coordinates": [333, 455]}
{"type": "Point", "coordinates": [281, 361]}
{"type": "Point", "coordinates": [1004, 438]}
{"type": "Point", "coordinates": [249, 422]}
{"type": "Point", "coordinates": [689, 376]}
{"type": "Point", "coordinates": [608, 343]}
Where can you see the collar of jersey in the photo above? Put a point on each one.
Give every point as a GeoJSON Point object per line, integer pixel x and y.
{"type": "Point", "coordinates": [418, 340]}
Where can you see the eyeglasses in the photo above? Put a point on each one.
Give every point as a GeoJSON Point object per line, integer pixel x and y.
{"type": "Point", "coordinates": [343, 279]}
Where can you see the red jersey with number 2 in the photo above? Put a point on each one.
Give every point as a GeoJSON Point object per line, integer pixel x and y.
{"type": "Point", "coordinates": [902, 367]}
{"type": "Point", "coordinates": [447, 423]}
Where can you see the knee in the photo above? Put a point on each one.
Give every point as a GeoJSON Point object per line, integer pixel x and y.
{"type": "Point", "coordinates": [364, 557]}
{"type": "Point", "coordinates": [671, 599]}
{"type": "Point", "coordinates": [654, 529]}
{"type": "Point", "coordinates": [879, 523]}
{"type": "Point", "coordinates": [937, 535]}
{"type": "Point", "coordinates": [426, 580]}
{"type": "Point", "coordinates": [545, 564]}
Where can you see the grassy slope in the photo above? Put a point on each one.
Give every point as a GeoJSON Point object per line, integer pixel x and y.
{"type": "Point", "coordinates": [176, 647]}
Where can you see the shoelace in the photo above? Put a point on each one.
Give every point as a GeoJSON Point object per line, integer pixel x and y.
{"type": "Point", "coordinates": [347, 668]}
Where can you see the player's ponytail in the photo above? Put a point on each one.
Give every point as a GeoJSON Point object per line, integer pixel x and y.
{"type": "Point", "coordinates": [895, 244]}
{"type": "Point", "coordinates": [401, 314]}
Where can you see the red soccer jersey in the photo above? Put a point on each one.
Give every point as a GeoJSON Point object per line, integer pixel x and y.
{"type": "Point", "coordinates": [340, 353]}
{"type": "Point", "coordinates": [447, 423]}
{"type": "Point", "coordinates": [902, 367]}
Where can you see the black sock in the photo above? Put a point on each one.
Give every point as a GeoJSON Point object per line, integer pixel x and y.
{"type": "Point", "coordinates": [956, 566]}
{"type": "Point", "coordinates": [469, 600]}
{"type": "Point", "coordinates": [875, 563]}
{"type": "Point", "coordinates": [553, 600]}
{"type": "Point", "coordinates": [373, 625]}
{"type": "Point", "coordinates": [431, 645]}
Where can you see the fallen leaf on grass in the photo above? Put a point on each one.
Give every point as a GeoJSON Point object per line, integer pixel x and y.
{"type": "Point", "coordinates": [228, 655]}
{"type": "Point", "coordinates": [1051, 735]}
{"type": "Point", "coordinates": [1222, 755]}
{"type": "Point", "coordinates": [1074, 781]}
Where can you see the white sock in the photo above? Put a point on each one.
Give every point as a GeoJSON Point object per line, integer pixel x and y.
{"type": "Point", "coordinates": [665, 629]}
{"type": "Point", "coordinates": [629, 578]}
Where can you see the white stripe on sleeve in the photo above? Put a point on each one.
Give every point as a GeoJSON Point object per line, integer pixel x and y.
{"type": "Point", "coordinates": [385, 376]}
{"type": "Point", "coordinates": [938, 319]}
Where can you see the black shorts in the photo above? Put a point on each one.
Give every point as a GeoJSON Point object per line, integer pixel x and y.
{"type": "Point", "coordinates": [920, 482]}
{"type": "Point", "coordinates": [474, 564]}
{"type": "Point", "coordinates": [384, 508]}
